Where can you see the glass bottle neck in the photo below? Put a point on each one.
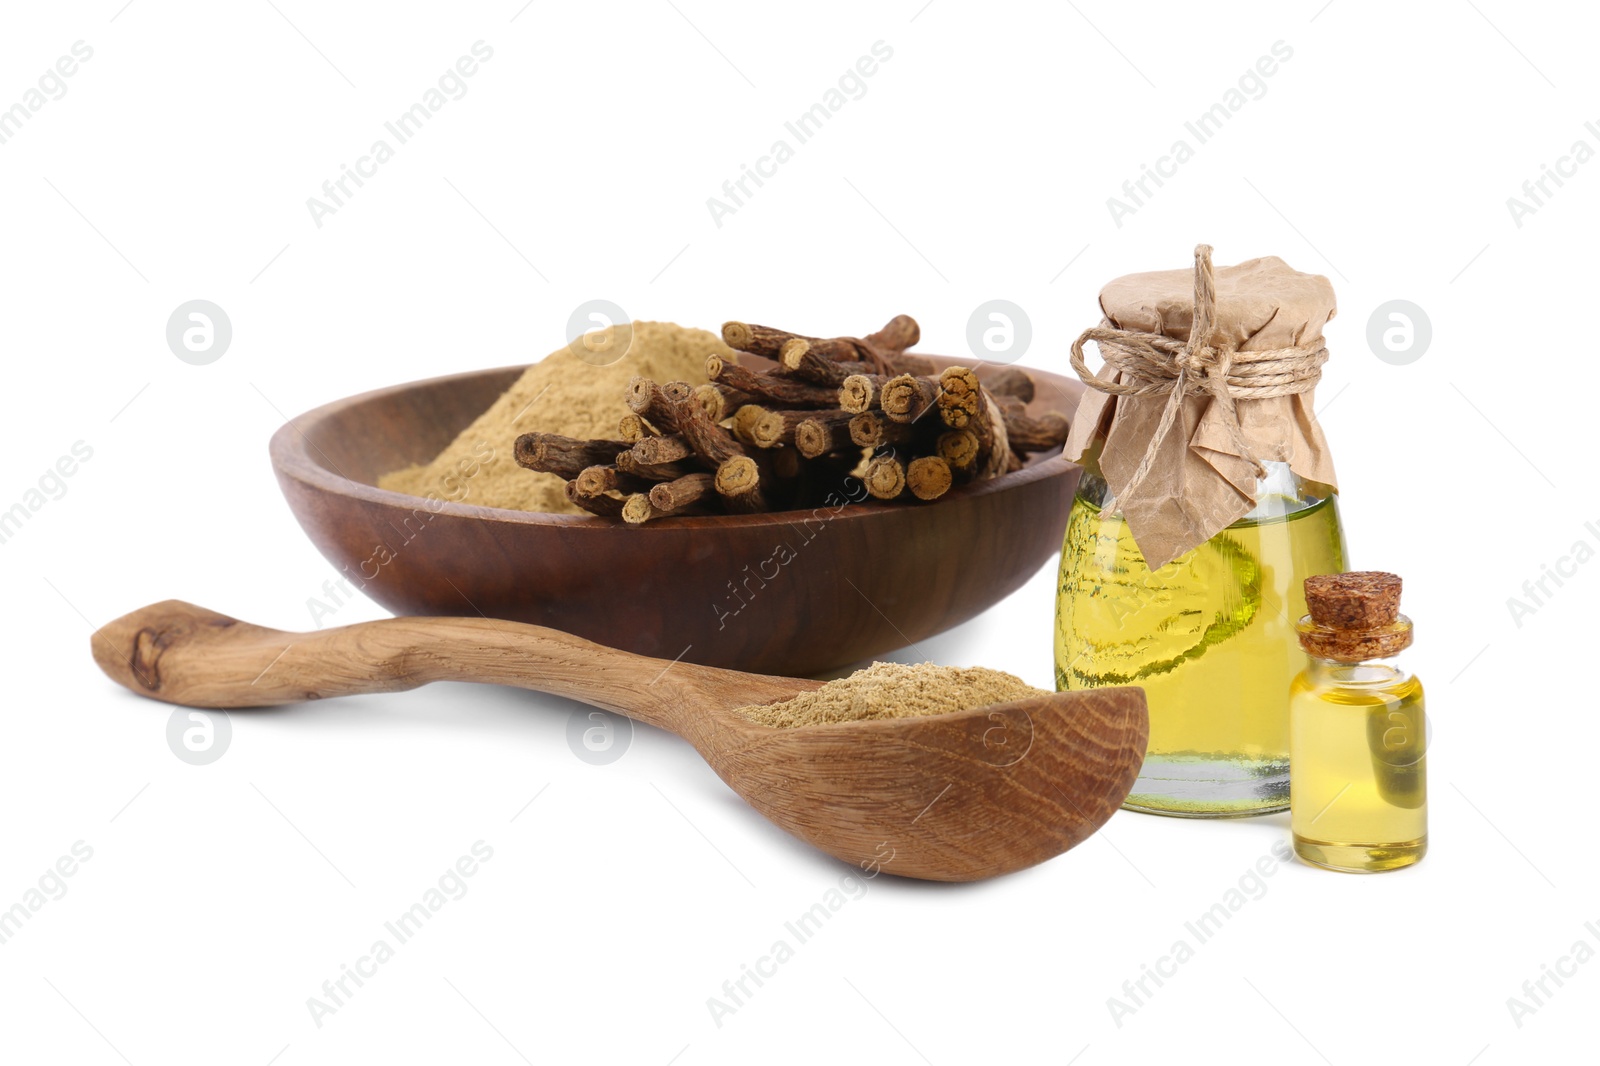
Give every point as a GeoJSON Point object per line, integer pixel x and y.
{"type": "Point", "coordinates": [1369, 672]}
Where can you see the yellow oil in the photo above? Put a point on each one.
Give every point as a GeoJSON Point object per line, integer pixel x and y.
{"type": "Point", "coordinates": [1210, 636]}
{"type": "Point", "coordinates": [1358, 739]}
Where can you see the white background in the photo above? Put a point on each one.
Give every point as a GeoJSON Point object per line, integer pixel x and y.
{"type": "Point", "coordinates": [977, 165]}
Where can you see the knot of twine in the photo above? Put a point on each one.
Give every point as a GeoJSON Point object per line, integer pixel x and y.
{"type": "Point", "coordinates": [1153, 364]}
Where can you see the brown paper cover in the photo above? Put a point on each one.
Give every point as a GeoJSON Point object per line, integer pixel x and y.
{"type": "Point", "coordinates": [1198, 484]}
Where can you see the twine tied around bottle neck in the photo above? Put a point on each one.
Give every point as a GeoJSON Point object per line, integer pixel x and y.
{"type": "Point", "coordinates": [1153, 364]}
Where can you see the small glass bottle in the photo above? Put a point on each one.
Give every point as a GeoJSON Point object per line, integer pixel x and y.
{"type": "Point", "coordinates": [1357, 730]}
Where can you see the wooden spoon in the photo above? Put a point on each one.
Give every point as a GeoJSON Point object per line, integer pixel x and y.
{"type": "Point", "coordinates": [953, 797]}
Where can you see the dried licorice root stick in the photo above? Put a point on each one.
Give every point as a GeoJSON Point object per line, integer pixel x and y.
{"type": "Point", "coordinates": [738, 482]}
{"type": "Point", "coordinates": [870, 429]}
{"type": "Point", "coordinates": [1007, 405]}
{"type": "Point", "coordinates": [885, 477]}
{"type": "Point", "coordinates": [803, 361]}
{"type": "Point", "coordinates": [964, 405]}
{"type": "Point", "coordinates": [719, 400]}
{"type": "Point", "coordinates": [637, 509]}
{"type": "Point", "coordinates": [801, 358]}
{"type": "Point", "coordinates": [898, 334]}
{"type": "Point", "coordinates": [769, 342]}
{"type": "Point", "coordinates": [567, 457]}
{"type": "Point", "coordinates": [758, 340]}
{"type": "Point", "coordinates": [929, 477]}
{"type": "Point", "coordinates": [679, 494]}
{"type": "Point", "coordinates": [959, 448]}
{"type": "Point", "coordinates": [960, 397]}
{"type": "Point", "coordinates": [604, 506]}
{"type": "Point", "coordinates": [823, 432]}
{"type": "Point", "coordinates": [656, 403]}
{"type": "Point", "coordinates": [861, 392]}
{"type": "Point", "coordinates": [906, 397]}
{"type": "Point", "coordinates": [1027, 434]}
{"type": "Point", "coordinates": [653, 451]}
{"type": "Point", "coordinates": [628, 462]}
{"type": "Point", "coordinates": [743, 422]}
{"type": "Point", "coordinates": [713, 444]}
{"type": "Point", "coordinates": [891, 342]}
{"type": "Point", "coordinates": [1011, 381]}
{"type": "Point", "coordinates": [599, 480]}
{"type": "Point", "coordinates": [634, 429]}
{"type": "Point", "coordinates": [769, 388]}
{"type": "Point", "coordinates": [776, 428]}
{"type": "Point", "coordinates": [880, 348]}
{"type": "Point", "coordinates": [810, 360]}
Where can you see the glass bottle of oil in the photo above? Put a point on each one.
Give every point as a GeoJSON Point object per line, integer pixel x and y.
{"type": "Point", "coordinates": [1357, 730]}
{"type": "Point", "coordinates": [1210, 636]}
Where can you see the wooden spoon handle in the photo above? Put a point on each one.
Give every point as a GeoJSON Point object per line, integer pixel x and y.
{"type": "Point", "coordinates": [184, 654]}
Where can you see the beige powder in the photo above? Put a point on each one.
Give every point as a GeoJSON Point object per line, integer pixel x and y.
{"type": "Point", "coordinates": [559, 394]}
{"type": "Point", "coordinates": [895, 690]}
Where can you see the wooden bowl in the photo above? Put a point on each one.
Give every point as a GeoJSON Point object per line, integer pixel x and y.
{"type": "Point", "coordinates": [794, 592]}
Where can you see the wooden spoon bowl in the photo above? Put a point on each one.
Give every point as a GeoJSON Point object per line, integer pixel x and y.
{"type": "Point", "coordinates": [955, 797]}
{"type": "Point", "coordinates": [794, 592]}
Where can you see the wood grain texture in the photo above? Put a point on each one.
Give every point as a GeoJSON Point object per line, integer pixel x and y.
{"type": "Point", "coordinates": [955, 797]}
{"type": "Point", "coordinates": [795, 592]}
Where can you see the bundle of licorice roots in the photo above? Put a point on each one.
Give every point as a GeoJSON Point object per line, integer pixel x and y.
{"type": "Point", "coordinates": [839, 418]}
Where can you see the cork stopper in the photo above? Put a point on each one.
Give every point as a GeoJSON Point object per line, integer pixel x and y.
{"type": "Point", "coordinates": [1361, 599]}
{"type": "Point", "coordinates": [1354, 616]}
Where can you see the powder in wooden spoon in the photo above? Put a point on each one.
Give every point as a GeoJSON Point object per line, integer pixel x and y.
{"type": "Point", "coordinates": [561, 393]}
{"type": "Point", "coordinates": [895, 690]}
